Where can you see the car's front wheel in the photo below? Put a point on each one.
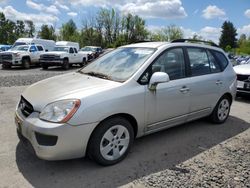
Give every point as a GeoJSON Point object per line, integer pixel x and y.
{"type": "Point", "coordinates": [221, 110]}
{"type": "Point", "coordinates": [111, 141]}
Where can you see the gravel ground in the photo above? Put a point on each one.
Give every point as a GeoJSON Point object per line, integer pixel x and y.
{"type": "Point", "coordinates": [20, 77]}
{"type": "Point", "coordinates": [225, 165]}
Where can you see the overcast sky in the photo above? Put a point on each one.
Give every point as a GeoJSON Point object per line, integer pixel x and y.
{"type": "Point", "coordinates": [203, 17]}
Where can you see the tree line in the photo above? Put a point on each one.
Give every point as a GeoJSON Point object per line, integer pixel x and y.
{"type": "Point", "coordinates": [110, 29]}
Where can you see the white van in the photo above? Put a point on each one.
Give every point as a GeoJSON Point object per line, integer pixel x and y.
{"type": "Point", "coordinates": [47, 44]}
{"type": "Point", "coordinates": [68, 43]}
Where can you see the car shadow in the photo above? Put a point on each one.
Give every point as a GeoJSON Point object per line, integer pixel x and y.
{"type": "Point", "coordinates": [18, 68]}
{"type": "Point", "coordinates": [243, 98]}
{"type": "Point", "coordinates": [58, 68]}
{"type": "Point", "coordinates": [149, 154]}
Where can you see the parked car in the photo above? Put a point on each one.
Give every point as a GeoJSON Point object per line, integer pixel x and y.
{"type": "Point", "coordinates": [92, 51]}
{"type": "Point", "coordinates": [64, 56]}
{"type": "Point", "coordinates": [243, 79]}
{"type": "Point", "coordinates": [22, 55]}
{"type": "Point", "coordinates": [129, 92]}
{"type": "Point", "coordinates": [4, 47]}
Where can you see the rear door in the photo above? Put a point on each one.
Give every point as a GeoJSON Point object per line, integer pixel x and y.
{"type": "Point", "coordinates": [206, 81]}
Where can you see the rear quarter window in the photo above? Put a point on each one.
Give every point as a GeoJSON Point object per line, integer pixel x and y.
{"type": "Point", "coordinates": [220, 57]}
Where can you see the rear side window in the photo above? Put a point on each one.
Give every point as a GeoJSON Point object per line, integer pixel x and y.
{"type": "Point", "coordinates": [221, 59]}
{"type": "Point", "coordinates": [40, 48]}
{"type": "Point", "coordinates": [75, 50]}
{"type": "Point", "coordinates": [199, 61]}
{"type": "Point", "coordinates": [214, 65]}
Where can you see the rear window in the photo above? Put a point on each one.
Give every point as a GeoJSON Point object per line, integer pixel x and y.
{"type": "Point", "coordinates": [221, 59]}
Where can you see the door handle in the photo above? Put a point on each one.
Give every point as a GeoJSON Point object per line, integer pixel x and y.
{"type": "Point", "coordinates": [184, 89]}
{"type": "Point", "coordinates": [218, 82]}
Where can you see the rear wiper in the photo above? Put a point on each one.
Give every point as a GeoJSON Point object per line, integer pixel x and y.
{"type": "Point", "coordinates": [97, 74]}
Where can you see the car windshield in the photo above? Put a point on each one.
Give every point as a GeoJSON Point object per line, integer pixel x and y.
{"type": "Point", "coordinates": [20, 48]}
{"type": "Point", "coordinates": [61, 49]}
{"type": "Point", "coordinates": [120, 64]}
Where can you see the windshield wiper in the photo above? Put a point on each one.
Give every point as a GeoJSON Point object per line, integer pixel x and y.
{"type": "Point", "coordinates": [97, 74]}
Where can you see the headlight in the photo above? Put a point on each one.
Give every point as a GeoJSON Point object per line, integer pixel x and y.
{"type": "Point", "coordinates": [17, 55]}
{"type": "Point", "coordinates": [60, 111]}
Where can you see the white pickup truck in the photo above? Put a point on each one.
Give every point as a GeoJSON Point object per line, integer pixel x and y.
{"type": "Point", "coordinates": [63, 56]}
{"type": "Point", "coordinates": [23, 55]}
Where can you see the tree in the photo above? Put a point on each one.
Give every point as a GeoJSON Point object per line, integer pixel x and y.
{"type": "Point", "coordinates": [168, 33]}
{"type": "Point", "coordinates": [228, 35]}
{"type": "Point", "coordinates": [69, 31]}
{"type": "Point", "coordinates": [30, 28]}
{"type": "Point", "coordinates": [3, 30]}
{"type": "Point", "coordinates": [20, 29]}
{"type": "Point", "coordinates": [47, 32]}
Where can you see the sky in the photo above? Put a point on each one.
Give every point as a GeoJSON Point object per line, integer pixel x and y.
{"type": "Point", "coordinates": [201, 17]}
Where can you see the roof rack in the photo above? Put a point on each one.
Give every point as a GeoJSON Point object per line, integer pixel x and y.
{"type": "Point", "coordinates": [194, 40]}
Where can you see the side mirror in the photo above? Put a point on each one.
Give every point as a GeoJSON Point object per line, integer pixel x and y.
{"type": "Point", "coordinates": [156, 78]}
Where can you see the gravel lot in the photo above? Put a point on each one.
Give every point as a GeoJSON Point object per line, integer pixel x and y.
{"type": "Point", "coordinates": [197, 154]}
{"type": "Point", "coordinates": [18, 76]}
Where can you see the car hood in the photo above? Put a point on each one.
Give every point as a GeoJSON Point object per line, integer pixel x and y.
{"type": "Point", "coordinates": [54, 53]}
{"type": "Point", "coordinates": [12, 52]}
{"type": "Point", "coordinates": [85, 52]}
{"type": "Point", "coordinates": [67, 86]}
{"type": "Point", "coordinates": [242, 69]}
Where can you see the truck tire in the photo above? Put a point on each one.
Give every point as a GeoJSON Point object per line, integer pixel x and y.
{"type": "Point", "coordinates": [84, 62]}
{"type": "Point", "coordinates": [65, 64]}
{"type": "Point", "coordinates": [4, 66]}
{"type": "Point", "coordinates": [45, 67]}
{"type": "Point", "coordinates": [26, 63]}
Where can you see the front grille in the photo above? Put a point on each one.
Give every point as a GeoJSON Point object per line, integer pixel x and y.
{"type": "Point", "coordinates": [25, 107]}
{"type": "Point", "coordinates": [241, 77]}
{"type": "Point", "coordinates": [49, 57]}
{"type": "Point", "coordinates": [6, 57]}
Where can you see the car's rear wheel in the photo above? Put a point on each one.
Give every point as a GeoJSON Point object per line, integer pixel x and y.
{"type": "Point", "coordinates": [221, 110]}
{"type": "Point", "coordinates": [111, 141]}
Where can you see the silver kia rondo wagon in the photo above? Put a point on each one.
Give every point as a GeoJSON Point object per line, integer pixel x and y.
{"type": "Point", "coordinates": [132, 91]}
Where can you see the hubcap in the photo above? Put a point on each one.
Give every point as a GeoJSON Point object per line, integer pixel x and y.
{"type": "Point", "coordinates": [223, 109]}
{"type": "Point", "coordinates": [114, 142]}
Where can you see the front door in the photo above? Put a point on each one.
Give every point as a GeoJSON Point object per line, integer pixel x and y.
{"type": "Point", "coordinates": [168, 105]}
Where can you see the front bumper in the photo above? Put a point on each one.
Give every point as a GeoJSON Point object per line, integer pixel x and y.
{"type": "Point", "coordinates": [243, 87]}
{"type": "Point", "coordinates": [14, 62]}
{"type": "Point", "coordinates": [57, 141]}
{"type": "Point", "coordinates": [55, 62]}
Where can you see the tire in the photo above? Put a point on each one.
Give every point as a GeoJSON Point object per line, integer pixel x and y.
{"type": "Point", "coordinates": [84, 62]}
{"type": "Point", "coordinates": [26, 63]}
{"type": "Point", "coordinates": [6, 66]}
{"type": "Point", "coordinates": [111, 141]}
{"type": "Point", "coordinates": [65, 65]}
{"type": "Point", "coordinates": [44, 67]}
{"type": "Point", "coordinates": [221, 110]}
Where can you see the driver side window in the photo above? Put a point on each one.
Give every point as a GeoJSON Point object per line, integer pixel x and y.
{"type": "Point", "coordinates": [171, 62]}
